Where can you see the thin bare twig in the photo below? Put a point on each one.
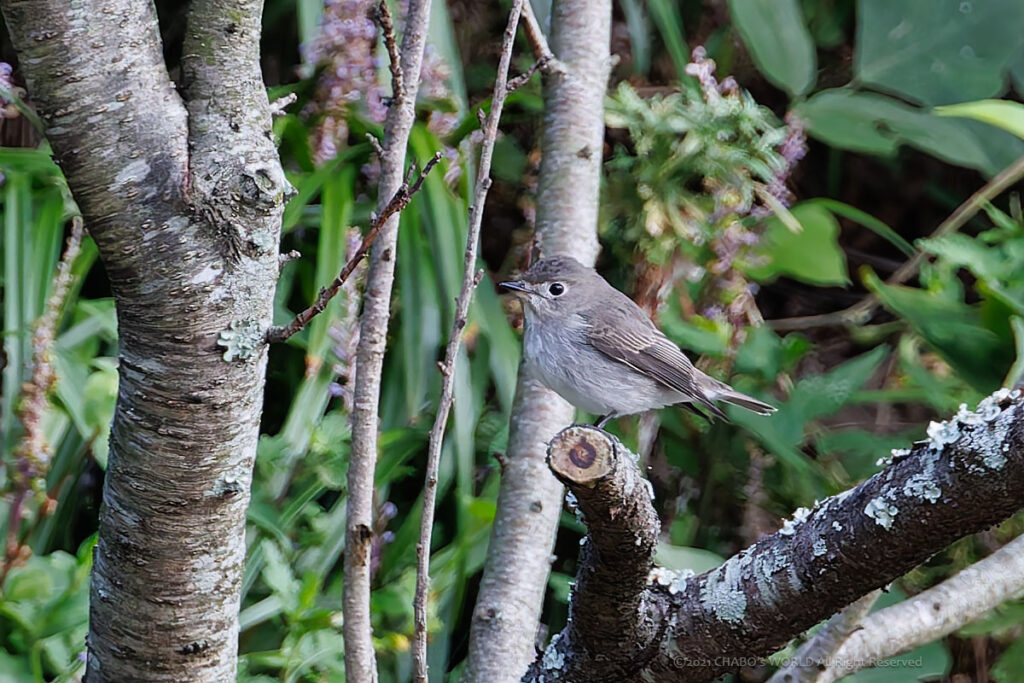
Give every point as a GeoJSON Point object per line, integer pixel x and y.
{"type": "Point", "coordinates": [535, 36]}
{"type": "Point", "coordinates": [470, 278]}
{"type": "Point", "coordinates": [375, 143]}
{"type": "Point", "coordinates": [383, 16]}
{"type": "Point", "coordinates": [398, 202]}
{"type": "Point", "coordinates": [522, 78]}
{"type": "Point", "coordinates": [360, 658]}
{"type": "Point", "coordinates": [861, 311]}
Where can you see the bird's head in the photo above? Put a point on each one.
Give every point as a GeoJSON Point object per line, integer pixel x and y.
{"type": "Point", "coordinates": [555, 287]}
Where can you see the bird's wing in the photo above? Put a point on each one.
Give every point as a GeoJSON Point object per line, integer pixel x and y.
{"type": "Point", "coordinates": [648, 351]}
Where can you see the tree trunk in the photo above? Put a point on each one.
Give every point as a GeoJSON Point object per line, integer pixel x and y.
{"type": "Point", "coordinates": [184, 201]}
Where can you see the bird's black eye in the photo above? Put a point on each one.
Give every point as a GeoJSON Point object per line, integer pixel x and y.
{"type": "Point", "coordinates": [556, 288]}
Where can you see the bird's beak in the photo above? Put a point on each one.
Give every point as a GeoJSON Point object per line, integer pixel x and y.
{"type": "Point", "coordinates": [517, 287]}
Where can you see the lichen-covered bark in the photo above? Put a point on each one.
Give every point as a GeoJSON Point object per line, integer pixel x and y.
{"type": "Point", "coordinates": [966, 477]}
{"type": "Point", "coordinates": [185, 208]}
{"type": "Point", "coordinates": [505, 619]}
{"type": "Point", "coordinates": [611, 626]}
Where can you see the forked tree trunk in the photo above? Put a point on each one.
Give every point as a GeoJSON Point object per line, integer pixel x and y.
{"type": "Point", "coordinates": [183, 196]}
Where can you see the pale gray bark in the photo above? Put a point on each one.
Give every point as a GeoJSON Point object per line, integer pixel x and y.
{"type": "Point", "coordinates": [185, 209]}
{"type": "Point", "coordinates": [360, 662]}
{"type": "Point", "coordinates": [470, 279]}
{"type": "Point", "coordinates": [505, 619]}
{"type": "Point", "coordinates": [932, 614]}
{"type": "Point", "coordinates": [966, 477]}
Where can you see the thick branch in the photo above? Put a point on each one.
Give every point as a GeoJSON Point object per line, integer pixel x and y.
{"type": "Point", "coordinates": [360, 663]}
{"type": "Point", "coordinates": [968, 476]}
{"type": "Point", "coordinates": [231, 185]}
{"type": "Point", "coordinates": [508, 605]}
{"type": "Point", "coordinates": [470, 279]}
{"type": "Point", "coordinates": [932, 614]}
{"type": "Point", "coordinates": [608, 617]}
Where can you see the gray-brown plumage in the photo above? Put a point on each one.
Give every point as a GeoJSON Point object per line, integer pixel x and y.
{"type": "Point", "coordinates": [590, 343]}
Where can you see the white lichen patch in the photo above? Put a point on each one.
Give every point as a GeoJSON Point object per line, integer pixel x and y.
{"type": "Point", "coordinates": [820, 547]}
{"type": "Point", "coordinates": [837, 526]}
{"type": "Point", "coordinates": [723, 594]}
{"type": "Point", "coordinates": [882, 512]}
{"type": "Point", "coordinates": [207, 274]}
{"type": "Point", "coordinates": [673, 580]}
{"type": "Point", "coordinates": [790, 525]}
{"type": "Point", "coordinates": [766, 565]}
{"type": "Point", "coordinates": [922, 486]}
{"type": "Point", "coordinates": [942, 433]}
{"type": "Point", "coordinates": [241, 340]}
{"type": "Point", "coordinates": [553, 659]}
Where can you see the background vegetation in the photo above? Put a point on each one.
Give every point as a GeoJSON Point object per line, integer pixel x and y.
{"type": "Point", "coordinates": [704, 152]}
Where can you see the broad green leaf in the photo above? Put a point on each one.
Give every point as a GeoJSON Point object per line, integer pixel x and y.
{"type": "Point", "coordinates": [1000, 113]}
{"type": "Point", "coordinates": [1010, 664]}
{"type": "Point", "coordinates": [952, 328]}
{"type": "Point", "coordinates": [813, 255]}
{"type": "Point", "coordinates": [775, 33]}
{"type": "Point", "coordinates": [865, 219]}
{"type": "Point", "coordinates": [876, 124]}
{"type": "Point", "coordinates": [937, 52]}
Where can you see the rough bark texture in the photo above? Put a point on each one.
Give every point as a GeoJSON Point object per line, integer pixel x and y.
{"type": "Point", "coordinates": [186, 210]}
{"type": "Point", "coordinates": [968, 476]}
{"type": "Point", "coordinates": [360, 663]}
{"type": "Point", "coordinates": [610, 628]}
{"type": "Point", "coordinates": [505, 619]}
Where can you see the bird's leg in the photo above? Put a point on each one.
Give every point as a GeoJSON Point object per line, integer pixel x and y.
{"type": "Point", "coordinates": [603, 420]}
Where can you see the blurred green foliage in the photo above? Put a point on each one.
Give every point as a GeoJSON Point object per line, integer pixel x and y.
{"type": "Point", "coordinates": [695, 225]}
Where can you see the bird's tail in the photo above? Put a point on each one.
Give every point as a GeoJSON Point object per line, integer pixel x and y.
{"type": "Point", "coordinates": [719, 391]}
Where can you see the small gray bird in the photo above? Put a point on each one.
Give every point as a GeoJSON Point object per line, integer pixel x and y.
{"type": "Point", "coordinates": [589, 343]}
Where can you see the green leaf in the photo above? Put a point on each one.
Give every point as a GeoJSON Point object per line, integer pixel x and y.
{"type": "Point", "coordinates": [278, 575]}
{"type": "Point", "coordinates": [867, 220]}
{"type": "Point", "coordinates": [680, 557]}
{"type": "Point", "coordinates": [937, 52]}
{"type": "Point", "coordinates": [1000, 113]}
{"type": "Point", "coordinates": [952, 328]}
{"type": "Point", "coordinates": [876, 124]}
{"type": "Point", "coordinates": [779, 42]}
{"type": "Point", "coordinates": [1010, 664]}
{"type": "Point", "coordinates": [666, 17]}
{"type": "Point", "coordinates": [813, 255]}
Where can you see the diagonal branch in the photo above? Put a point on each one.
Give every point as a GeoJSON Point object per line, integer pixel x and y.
{"type": "Point", "coordinates": [932, 614]}
{"type": "Point", "coordinates": [470, 279]}
{"type": "Point", "coordinates": [966, 477]}
{"type": "Point", "coordinates": [399, 201]}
